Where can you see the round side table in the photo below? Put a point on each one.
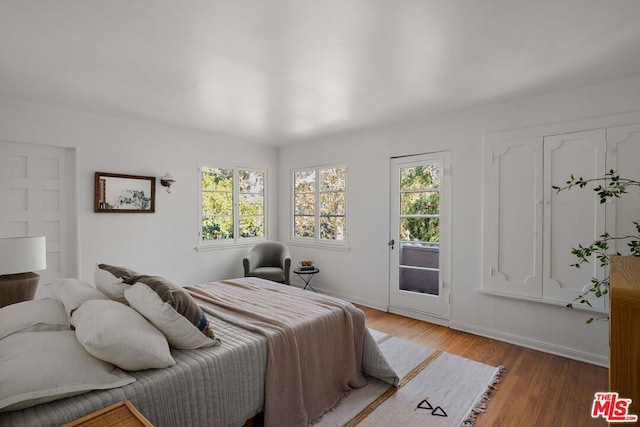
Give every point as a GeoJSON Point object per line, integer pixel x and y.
{"type": "Point", "coordinates": [306, 276]}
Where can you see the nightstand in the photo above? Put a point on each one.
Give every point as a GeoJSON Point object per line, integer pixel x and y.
{"type": "Point", "coordinates": [306, 276]}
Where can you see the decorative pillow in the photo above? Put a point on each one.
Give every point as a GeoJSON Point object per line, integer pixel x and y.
{"type": "Point", "coordinates": [36, 315]}
{"type": "Point", "coordinates": [180, 300]}
{"type": "Point", "coordinates": [39, 367]}
{"type": "Point", "coordinates": [180, 332]}
{"type": "Point", "coordinates": [118, 334]}
{"type": "Point", "coordinates": [113, 281]}
{"type": "Point", "coordinates": [73, 293]}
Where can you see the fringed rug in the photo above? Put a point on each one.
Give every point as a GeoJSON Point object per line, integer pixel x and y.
{"type": "Point", "coordinates": [436, 389]}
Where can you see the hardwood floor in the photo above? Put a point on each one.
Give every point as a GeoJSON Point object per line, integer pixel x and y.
{"type": "Point", "coordinates": [537, 389]}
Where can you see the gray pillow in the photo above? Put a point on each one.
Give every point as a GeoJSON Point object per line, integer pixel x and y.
{"type": "Point", "coordinates": [180, 300]}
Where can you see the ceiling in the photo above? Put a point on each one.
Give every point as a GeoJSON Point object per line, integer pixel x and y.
{"type": "Point", "coordinates": [279, 71]}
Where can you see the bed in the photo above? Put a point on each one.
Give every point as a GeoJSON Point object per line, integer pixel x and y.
{"type": "Point", "coordinates": [229, 383]}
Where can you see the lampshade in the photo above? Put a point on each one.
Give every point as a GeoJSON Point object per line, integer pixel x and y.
{"type": "Point", "coordinates": [22, 254]}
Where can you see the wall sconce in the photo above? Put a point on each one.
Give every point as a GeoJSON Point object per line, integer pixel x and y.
{"type": "Point", "coordinates": [167, 180]}
{"type": "Point", "coordinates": [19, 257]}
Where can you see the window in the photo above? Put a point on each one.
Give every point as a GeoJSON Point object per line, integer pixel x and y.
{"type": "Point", "coordinates": [232, 205]}
{"type": "Point", "coordinates": [320, 204]}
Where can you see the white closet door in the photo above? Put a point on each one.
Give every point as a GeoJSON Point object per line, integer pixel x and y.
{"type": "Point", "coordinates": [623, 155]}
{"type": "Point", "coordinates": [37, 195]}
{"type": "Point", "coordinates": [513, 217]}
{"type": "Point", "coordinates": [571, 217]}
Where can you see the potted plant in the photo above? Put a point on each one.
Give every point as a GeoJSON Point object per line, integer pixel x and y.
{"type": "Point", "coordinates": [611, 186]}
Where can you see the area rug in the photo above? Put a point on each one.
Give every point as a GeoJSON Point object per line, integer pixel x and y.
{"type": "Point", "coordinates": [435, 389]}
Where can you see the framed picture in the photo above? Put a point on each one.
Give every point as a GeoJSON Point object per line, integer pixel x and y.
{"type": "Point", "coordinates": [117, 193]}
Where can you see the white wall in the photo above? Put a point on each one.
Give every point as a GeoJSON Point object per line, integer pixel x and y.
{"type": "Point", "coordinates": [361, 274]}
{"type": "Point", "coordinates": [161, 243]}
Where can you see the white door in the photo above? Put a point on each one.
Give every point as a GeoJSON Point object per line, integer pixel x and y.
{"type": "Point", "coordinates": [571, 217]}
{"type": "Point", "coordinates": [37, 198]}
{"type": "Point", "coordinates": [623, 155]}
{"type": "Point", "coordinates": [419, 237]}
{"type": "Point", "coordinates": [513, 217]}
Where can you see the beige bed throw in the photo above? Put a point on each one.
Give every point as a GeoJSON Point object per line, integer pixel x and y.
{"type": "Point", "coordinates": [315, 343]}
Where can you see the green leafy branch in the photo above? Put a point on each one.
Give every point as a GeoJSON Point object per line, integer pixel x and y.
{"type": "Point", "coordinates": [612, 187]}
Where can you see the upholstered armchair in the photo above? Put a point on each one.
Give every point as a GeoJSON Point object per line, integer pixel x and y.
{"type": "Point", "coordinates": [268, 260]}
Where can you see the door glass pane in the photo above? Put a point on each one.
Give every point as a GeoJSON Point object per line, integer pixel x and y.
{"type": "Point", "coordinates": [419, 268]}
{"type": "Point", "coordinates": [425, 202]}
{"type": "Point", "coordinates": [418, 280]}
{"type": "Point", "coordinates": [419, 229]}
{"type": "Point", "coordinates": [425, 177]}
{"type": "Point", "coordinates": [419, 256]}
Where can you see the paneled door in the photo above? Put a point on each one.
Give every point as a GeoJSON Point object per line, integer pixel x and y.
{"type": "Point", "coordinates": [419, 237]}
{"type": "Point", "coordinates": [37, 198]}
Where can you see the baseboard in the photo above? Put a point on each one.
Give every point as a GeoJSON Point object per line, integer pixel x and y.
{"type": "Point", "coordinates": [544, 347]}
{"type": "Point", "coordinates": [354, 300]}
{"type": "Point", "coordinates": [569, 353]}
{"type": "Point", "coordinates": [418, 315]}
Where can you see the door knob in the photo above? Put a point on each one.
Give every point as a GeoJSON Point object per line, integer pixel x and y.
{"type": "Point", "coordinates": [391, 243]}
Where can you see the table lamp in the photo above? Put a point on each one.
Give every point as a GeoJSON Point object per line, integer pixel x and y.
{"type": "Point", "coordinates": [19, 257]}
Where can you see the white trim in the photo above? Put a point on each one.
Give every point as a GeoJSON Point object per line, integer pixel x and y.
{"type": "Point", "coordinates": [442, 321]}
{"type": "Point", "coordinates": [353, 299]}
{"type": "Point", "coordinates": [539, 135]}
{"type": "Point", "coordinates": [435, 308]}
{"type": "Point", "coordinates": [228, 245]}
{"type": "Point", "coordinates": [236, 241]}
{"type": "Point", "coordinates": [576, 306]}
{"type": "Point", "coordinates": [320, 245]}
{"type": "Point", "coordinates": [630, 118]}
{"type": "Point", "coordinates": [316, 241]}
{"type": "Point", "coordinates": [594, 359]}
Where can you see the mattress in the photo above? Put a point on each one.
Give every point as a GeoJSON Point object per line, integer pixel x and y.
{"type": "Point", "coordinates": [214, 386]}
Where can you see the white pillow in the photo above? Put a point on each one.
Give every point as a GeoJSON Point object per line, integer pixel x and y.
{"type": "Point", "coordinates": [39, 367]}
{"type": "Point", "coordinates": [118, 334]}
{"type": "Point", "coordinates": [73, 293]}
{"type": "Point", "coordinates": [179, 331]}
{"type": "Point", "coordinates": [109, 280]}
{"type": "Point", "coordinates": [36, 315]}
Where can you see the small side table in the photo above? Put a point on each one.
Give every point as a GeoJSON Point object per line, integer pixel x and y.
{"type": "Point", "coordinates": [306, 276]}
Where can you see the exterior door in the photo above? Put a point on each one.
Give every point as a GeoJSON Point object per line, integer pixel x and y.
{"type": "Point", "coordinates": [37, 198]}
{"type": "Point", "coordinates": [419, 237]}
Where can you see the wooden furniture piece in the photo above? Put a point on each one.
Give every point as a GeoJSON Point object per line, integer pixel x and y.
{"type": "Point", "coordinates": [624, 324]}
{"type": "Point", "coordinates": [18, 287]}
{"type": "Point", "coordinates": [121, 414]}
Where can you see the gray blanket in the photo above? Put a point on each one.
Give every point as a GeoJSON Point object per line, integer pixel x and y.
{"type": "Point", "coordinates": [213, 386]}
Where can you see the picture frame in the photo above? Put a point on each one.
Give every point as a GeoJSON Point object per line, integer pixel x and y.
{"type": "Point", "coordinates": [120, 193]}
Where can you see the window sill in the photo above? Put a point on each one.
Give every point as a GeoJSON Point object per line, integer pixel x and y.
{"type": "Point", "coordinates": [220, 246]}
{"type": "Point", "coordinates": [338, 248]}
{"type": "Point", "coordinates": [576, 306]}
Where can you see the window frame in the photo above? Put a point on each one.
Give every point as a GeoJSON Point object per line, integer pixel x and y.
{"type": "Point", "coordinates": [237, 240]}
{"type": "Point", "coordinates": [316, 240]}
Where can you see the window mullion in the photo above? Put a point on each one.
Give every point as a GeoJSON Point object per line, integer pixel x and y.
{"type": "Point", "coordinates": [318, 207]}
{"type": "Point", "coordinates": [236, 206]}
